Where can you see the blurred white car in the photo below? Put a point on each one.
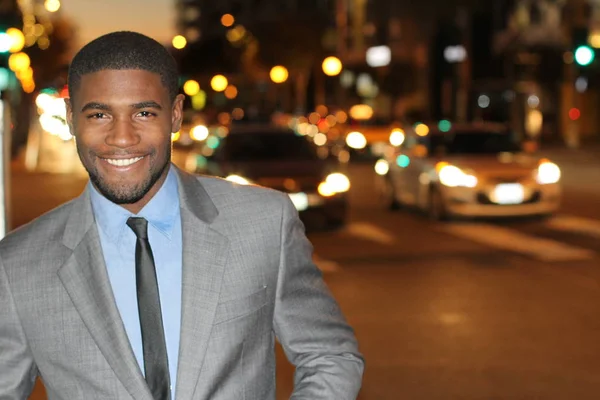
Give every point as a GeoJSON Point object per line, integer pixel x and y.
{"type": "Point", "coordinates": [468, 171]}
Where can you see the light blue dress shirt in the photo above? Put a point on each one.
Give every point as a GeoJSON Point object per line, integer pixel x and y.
{"type": "Point", "coordinates": [118, 246]}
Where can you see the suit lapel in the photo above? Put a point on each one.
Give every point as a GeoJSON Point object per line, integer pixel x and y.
{"type": "Point", "coordinates": [204, 257]}
{"type": "Point", "coordinates": [85, 278]}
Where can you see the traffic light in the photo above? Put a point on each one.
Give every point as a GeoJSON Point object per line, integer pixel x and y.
{"type": "Point", "coordinates": [584, 55]}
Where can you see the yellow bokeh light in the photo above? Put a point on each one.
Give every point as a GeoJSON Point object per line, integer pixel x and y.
{"type": "Point", "coordinates": [38, 30]}
{"type": "Point", "coordinates": [422, 130]}
{"type": "Point", "coordinates": [19, 61]}
{"type": "Point", "coordinates": [191, 87]}
{"type": "Point", "coordinates": [30, 39]}
{"type": "Point", "coordinates": [231, 92]}
{"type": "Point", "coordinates": [24, 74]}
{"type": "Point", "coordinates": [175, 136]}
{"type": "Point", "coordinates": [219, 83]}
{"type": "Point", "coordinates": [17, 40]}
{"type": "Point", "coordinates": [594, 40]}
{"type": "Point", "coordinates": [199, 100]}
{"type": "Point", "coordinates": [332, 66]}
{"type": "Point", "coordinates": [43, 43]}
{"type": "Point", "coordinates": [279, 74]}
{"type": "Point", "coordinates": [52, 5]}
{"type": "Point", "coordinates": [341, 117]}
{"type": "Point", "coordinates": [361, 112]}
{"type": "Point", "coordinates": [179, 42]}
{"type": "Point", "coordinates": [227, 20]}
{"type": "Point", "coordinates": [236, 34]}
{"type": "Point", "coordinates": [325, 189]}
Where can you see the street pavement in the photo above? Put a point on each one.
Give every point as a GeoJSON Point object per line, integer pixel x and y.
{"type": "Point", "coordinates": [458, 310]}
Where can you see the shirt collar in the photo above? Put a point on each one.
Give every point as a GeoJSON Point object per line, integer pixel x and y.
{"type": "Point", "coordinates": [161, 211]}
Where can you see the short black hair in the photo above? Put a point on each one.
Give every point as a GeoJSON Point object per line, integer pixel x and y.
{"type": "Point", "coordinates": [124, 50]}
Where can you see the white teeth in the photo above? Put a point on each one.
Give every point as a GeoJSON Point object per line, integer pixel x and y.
{"type": "Point", "coordinates": [123, 162]}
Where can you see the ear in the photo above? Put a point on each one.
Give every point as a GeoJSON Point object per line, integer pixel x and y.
{"type": "Point", "coordinates": [177, 113]}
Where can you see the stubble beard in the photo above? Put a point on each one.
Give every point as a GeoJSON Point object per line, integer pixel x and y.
{"type": "Point", "coordinates": [127, 193]}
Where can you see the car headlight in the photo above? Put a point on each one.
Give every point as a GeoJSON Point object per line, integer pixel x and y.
{"type": "Point", "coordinates": [334, 183]}
{"type": "Point", "coordinates": [547, 173]}
{"type": "Point", "coordinates": [238, 179]}
{"type": "Point", "coordinates": [453, 176]}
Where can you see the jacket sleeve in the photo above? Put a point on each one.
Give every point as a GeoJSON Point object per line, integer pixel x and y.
{"type": "Point", "coordinates": [17, 369]}
{"type": "Point", "coordinates": [309, 324]}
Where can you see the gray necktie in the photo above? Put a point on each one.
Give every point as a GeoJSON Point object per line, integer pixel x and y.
{"type": "Point", "coordinates": [156, 365]}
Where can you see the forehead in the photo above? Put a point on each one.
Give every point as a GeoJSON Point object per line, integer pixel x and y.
{"type": "Point", "coordinates": [123, 85]}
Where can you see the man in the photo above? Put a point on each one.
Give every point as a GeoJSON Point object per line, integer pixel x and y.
{"type": "Point", "coordinates": [156, 284]}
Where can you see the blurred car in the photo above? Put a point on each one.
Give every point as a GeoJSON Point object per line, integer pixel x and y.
{"type": "Point", "coordinates": [280, 159]}
{"type": "Point", "coordinates": [471, 170]}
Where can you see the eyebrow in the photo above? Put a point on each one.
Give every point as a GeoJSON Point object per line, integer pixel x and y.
{"type": "Point", "coordinates": [95, 106]}
{"type": "Point", "coordinates": [146, 104]}
{"type": "Point", "coordinates": [105, 107]}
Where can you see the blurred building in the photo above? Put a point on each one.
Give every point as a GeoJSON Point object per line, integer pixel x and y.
{"type": "Point", "coordinates": [224, 38]}
{"type": "Point", "coordinates": [384, 48]}
{"type": "Point", "coordinates": [552, 96]}
{"type": "Point", "coordinates": [198, 19]}
{"type": "Point", "coordinates": [504, 60]}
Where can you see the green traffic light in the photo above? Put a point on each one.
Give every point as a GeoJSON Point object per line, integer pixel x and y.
{"type": "Point", "coordinates": [584, 55]}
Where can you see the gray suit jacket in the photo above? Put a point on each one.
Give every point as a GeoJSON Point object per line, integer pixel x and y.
{"type": "Point", "coordinates": [248, 279]}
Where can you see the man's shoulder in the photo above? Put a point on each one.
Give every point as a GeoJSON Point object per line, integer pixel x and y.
{"type": "Point", "coordinates": [226, 192]}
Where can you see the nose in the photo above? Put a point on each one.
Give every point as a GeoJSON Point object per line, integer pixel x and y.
{"type": "Point", "coordinates": [123, 135]}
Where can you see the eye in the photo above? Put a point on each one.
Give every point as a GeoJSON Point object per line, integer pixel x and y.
{"type": "Point", "coordinates": [146, 114]}
{"type": "Point", "coordinates": [97, 116]}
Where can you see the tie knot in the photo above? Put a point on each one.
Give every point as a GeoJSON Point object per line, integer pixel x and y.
{"type": "Point", "coordinates": [139, 226]}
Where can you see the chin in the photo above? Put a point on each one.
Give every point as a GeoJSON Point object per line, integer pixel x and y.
{"type": "Point", "coordinates": [122, 193]}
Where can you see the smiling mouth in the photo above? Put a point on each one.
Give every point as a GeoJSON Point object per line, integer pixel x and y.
{"type": "Point", "coordinates": [122, 162]}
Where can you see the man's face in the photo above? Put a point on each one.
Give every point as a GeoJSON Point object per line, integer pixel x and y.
{"type": "Point", "coordinates": [122, 121]}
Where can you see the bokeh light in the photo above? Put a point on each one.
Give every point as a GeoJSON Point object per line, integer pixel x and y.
{"type": "Point", "coordinates": [219, 83]}
{"type": "Point", "coordinates": [279, 74]}
{"type": "Point", "coordinates": [179, 42]}
{"type": "Point", "coordinates": [227, 20]}
{"type": "Point", "coordinates": [332, 66]}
